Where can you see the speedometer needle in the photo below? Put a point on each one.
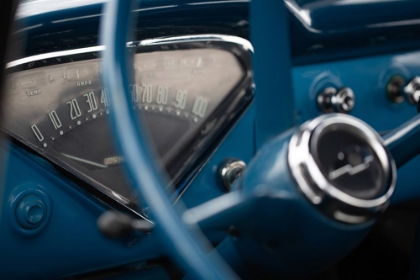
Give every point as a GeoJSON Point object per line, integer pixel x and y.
{"type": "Point", "coordinates": [85, 161]}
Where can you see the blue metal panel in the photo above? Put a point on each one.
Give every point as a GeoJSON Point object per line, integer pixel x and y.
{"type": "Point", "coordinates": [368, 78]}
{"type": "Point", "coordinates": [71, 242]}
{"type": "Point", "coordinates": [239, 143]}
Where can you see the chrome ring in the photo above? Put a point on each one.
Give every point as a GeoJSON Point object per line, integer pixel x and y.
{"type": "Point", "coordinates": [302, 160]}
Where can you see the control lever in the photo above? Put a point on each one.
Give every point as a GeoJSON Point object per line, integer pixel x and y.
{"type": "Point", "coordinates": [398, 90]}
{"type": "Point", "coordinates": [412, 91]}
{"type": "Point", "coordinates": [117, 225]}
{"type": "Point", "coordinates": [403, 141]}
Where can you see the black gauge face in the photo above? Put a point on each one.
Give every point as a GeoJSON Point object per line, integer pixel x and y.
{"type": "Point", "coordinates": [61, 110]}
{"type": "Point", "coordinates": [350, 164]}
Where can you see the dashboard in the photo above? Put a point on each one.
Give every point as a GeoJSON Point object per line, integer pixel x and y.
{"type": "Point", "coordinates": [193, 86]}
{"type": "Point", "coordinates": [189, 90]}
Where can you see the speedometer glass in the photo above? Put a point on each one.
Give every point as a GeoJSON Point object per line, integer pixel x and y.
{"type": "Point", "coordinates": [187, 95]}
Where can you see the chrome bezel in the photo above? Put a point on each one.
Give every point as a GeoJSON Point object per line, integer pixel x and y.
{"type": "Point", "coordinates": [236, 102]}
{"type": "Point", "coordinates": [209, 38]}
{"type": "Point", "coordinates": [302, 160]}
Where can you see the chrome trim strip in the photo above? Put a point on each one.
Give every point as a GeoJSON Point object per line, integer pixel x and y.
{"type": "Point", "coordinates": [40, 57]}
{"type": "Point", "coordinates": [33, 8]}
{"type": "Point", "coordinates": [195, 38]}
{"type": "Point", "coordinates": [155, 8]}
{"type": "Point", "coordinates": [28, 28]}
{"type": "Point", "coordinates": [218, 2]}
{"type": "Point", "coordinates": [148, 42]}
{"type": "Point", "coordinates": [75, 18]}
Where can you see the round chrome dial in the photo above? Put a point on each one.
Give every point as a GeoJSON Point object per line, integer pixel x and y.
{"type": "Point", "coordinates": [343, 167]}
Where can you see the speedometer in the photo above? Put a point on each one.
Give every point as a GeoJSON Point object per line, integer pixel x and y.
{"type": "Point", "coordinates": [188, 91]}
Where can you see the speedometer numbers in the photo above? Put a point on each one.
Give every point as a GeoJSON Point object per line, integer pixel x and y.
{"type": "Point", "coordinates": [94, 104]}
{"type": "Point", "coordinates": [163, 99]}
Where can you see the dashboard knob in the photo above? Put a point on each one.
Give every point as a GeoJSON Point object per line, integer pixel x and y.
{"type": "Point", "coordinates": [30, 212]}
{"type": "Point", "coordinates": [395, 89]}
{"type": "Point", "coordinates": [412, 90]}
{"type": "Point", "coordinates": [117, 225]}
{"type": "Point", "coordinates": [336, 100]}
{"type": "Point", "coordinates": [229, 171]}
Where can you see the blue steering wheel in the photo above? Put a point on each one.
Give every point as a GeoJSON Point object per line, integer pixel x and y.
{"type": "Point", "coordinates": [179, 228]}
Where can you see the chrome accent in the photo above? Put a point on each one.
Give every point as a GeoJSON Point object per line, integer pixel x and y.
{"type": "Point", "coordinates": [412, 90]}
{"type": "Point", "coordinates": [333, 100]}
{"type": "Point", "coordinates": [218, 2]}
{"type": "Point", "coordinates": [236, 45]}
{"type": "Point", "coordinates": [32, 8]}
{"type": "Point", "coordinates": [194, 38]}
{"type": "Point", "coordinates": [75, 18]}
{"type": "Point", "coordinates": [59, 54]}
{"type": "Point", "coordinates": [245, 44]}
{"type": "Point", "coordinates": [229, 171]}
{"type": "Point", "coordinates": [335, 203]}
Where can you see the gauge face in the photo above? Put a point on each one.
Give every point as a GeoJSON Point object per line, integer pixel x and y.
{"type": "Point", "coordinates": [349, 163]}
{"type": "Point", "coordinates": [61, 110]}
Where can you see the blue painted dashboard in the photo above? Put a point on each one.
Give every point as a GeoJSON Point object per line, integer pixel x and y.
{"type": "Point", "coordinates": [71, 243]}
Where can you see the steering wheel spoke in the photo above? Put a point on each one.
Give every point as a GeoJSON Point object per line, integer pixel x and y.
{"type": "Point", "coordinates": [403, 141]}
{"type": "Point", "coordinates": [240, 210]}
{"type": "Point", "coordinates": [222, 212]}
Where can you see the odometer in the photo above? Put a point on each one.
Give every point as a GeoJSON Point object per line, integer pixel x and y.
{"type": "Point", "coordinates": [186, 96]}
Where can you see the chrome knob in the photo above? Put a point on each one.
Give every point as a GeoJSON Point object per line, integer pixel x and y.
{"type": "Point", "coordinates": [333, 100]}
{"type": "Point", "coordinates": [395, 89]}
{"type": "Point", "coordinates": [412, 90]}
{"type": "Point", "coordinates": [229, 171]}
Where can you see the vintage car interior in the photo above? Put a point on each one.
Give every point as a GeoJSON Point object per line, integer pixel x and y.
{"type": "Point", "coordinates": [221, 139]}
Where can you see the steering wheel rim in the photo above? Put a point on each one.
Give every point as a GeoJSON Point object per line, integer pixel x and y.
{"type": "Point", "coordinates": [183, 242]}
